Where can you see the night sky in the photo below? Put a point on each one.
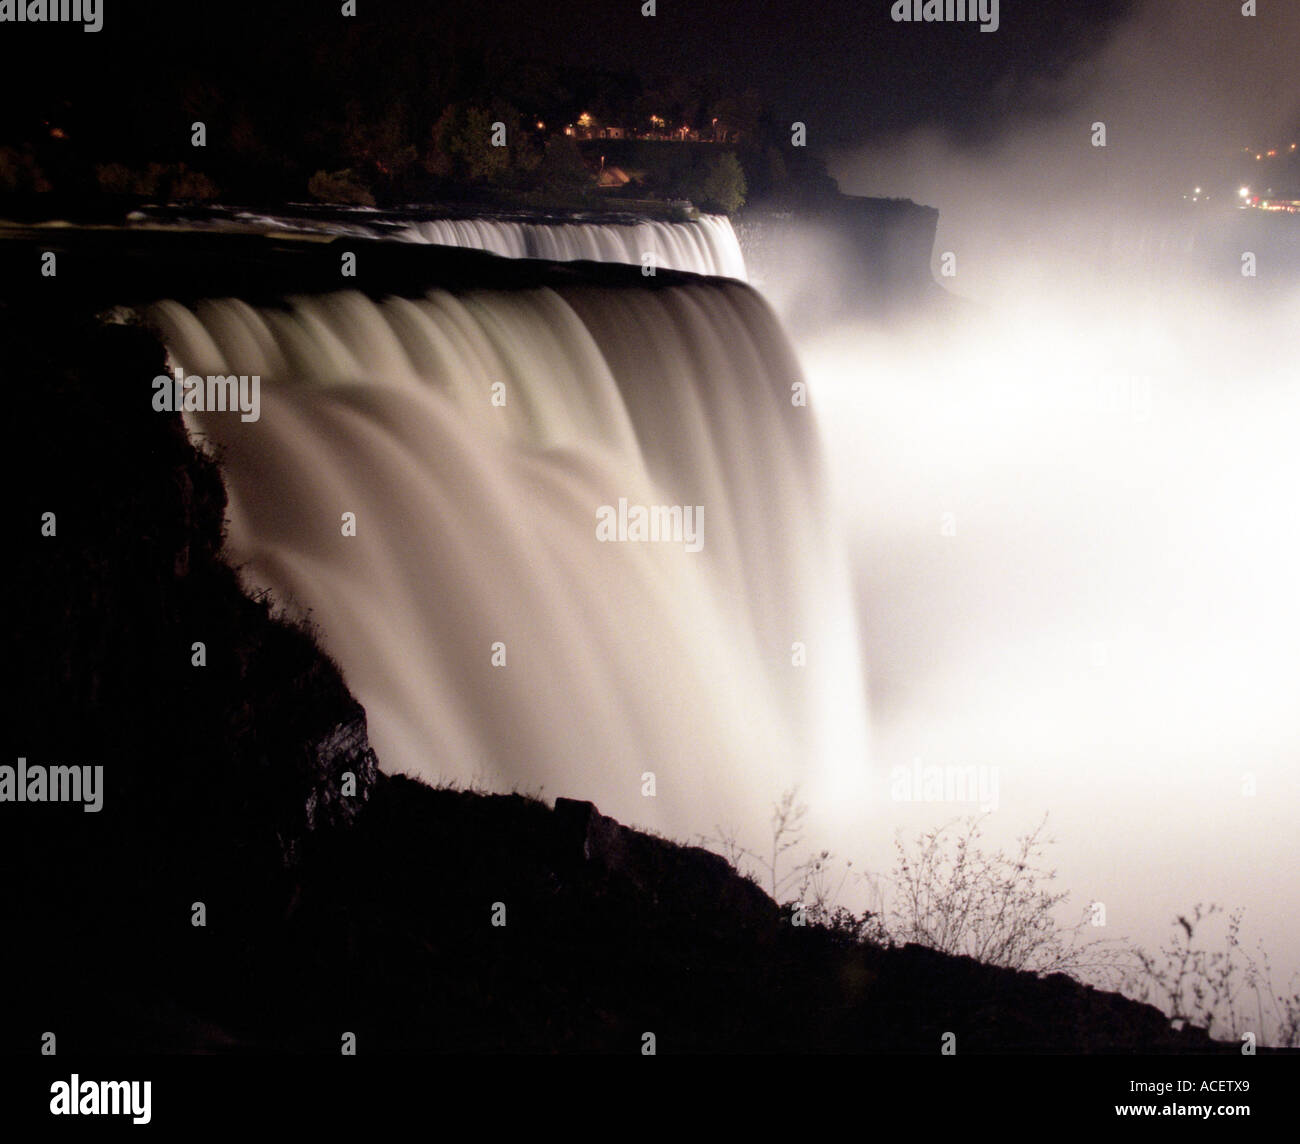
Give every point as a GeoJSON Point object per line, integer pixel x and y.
{"type": "Point", "coordinates": [842, 66]}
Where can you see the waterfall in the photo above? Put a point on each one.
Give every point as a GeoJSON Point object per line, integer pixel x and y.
{"type": "Point", "coordinates": [493, 635]}
{"type": "Point", "coordinates": [704, 245]}
{"type": "Point", "coordinates": [707, 245]}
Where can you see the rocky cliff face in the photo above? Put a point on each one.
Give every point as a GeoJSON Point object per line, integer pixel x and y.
{"type": "Point", "coordinates": [841, 257]}
{"type": "Point", "coordinates": [141, 650]}
{"type": "Point", "coordinates": [487, 923]}
{"type": "Point", "coordinates": [226, 737]}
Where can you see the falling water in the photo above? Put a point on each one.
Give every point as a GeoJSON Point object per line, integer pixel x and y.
{"type": "Point", "coordinates": [491, 635]}
{"type": "Point", "coordinates": [707, 245]}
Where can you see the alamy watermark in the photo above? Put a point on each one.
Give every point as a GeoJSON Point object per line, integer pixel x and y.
{"type": "Point", "coordinates": [216, 393]}
{"type": "Point", "coordinates": [674, 523]}
{"type": "Point", "coordinates": [53, 784]}
{"type": "Point", "coordinates": [970, 784]}
{"type": "Point", "coordinates": [77, 1097]}
{"type": "Point", "coordinates": [87, 12]}
{"type": "Point", "coordinates": [983, 12]}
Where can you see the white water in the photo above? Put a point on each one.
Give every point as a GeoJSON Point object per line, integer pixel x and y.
{"type": "Point", "coordinates": [705, 246]}
{"type": "Point", "coordinates": [476, 523]}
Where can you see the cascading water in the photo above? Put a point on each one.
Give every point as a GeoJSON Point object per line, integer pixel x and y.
{"type": "Point", "coordinates": [706, 246]}
{"type": "Point", "coordinates": [490, 632]}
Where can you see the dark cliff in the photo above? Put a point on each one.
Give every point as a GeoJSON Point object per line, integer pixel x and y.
{"type": "Point", "coordinates": [838, 257]}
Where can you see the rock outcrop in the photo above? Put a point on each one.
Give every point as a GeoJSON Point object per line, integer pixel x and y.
{"type": "Point", "coordinates": [839, 257]}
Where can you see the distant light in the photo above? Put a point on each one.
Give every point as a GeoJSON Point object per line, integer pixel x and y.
{"type": "Point", "coordinates": [1198, 190]}
{"type": "Point", "coordinates": [1259, 156]}
{"type": "Point", "coordinates": [540, 125]}
{"type": "Point", "coordinates": [1244, 192]}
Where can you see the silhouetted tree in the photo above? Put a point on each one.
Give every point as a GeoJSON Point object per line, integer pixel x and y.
{"type": "Point", "coordinates": [724, 183]}
{"type": "Point", "coordinates": [562, 168]}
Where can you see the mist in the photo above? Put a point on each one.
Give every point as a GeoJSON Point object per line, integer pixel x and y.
{"type": "Point", "coordinates": [1070, 499]}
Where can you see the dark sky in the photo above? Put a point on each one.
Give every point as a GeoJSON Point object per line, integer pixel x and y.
{"type": "Point", "coordinates": [842, 66]}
